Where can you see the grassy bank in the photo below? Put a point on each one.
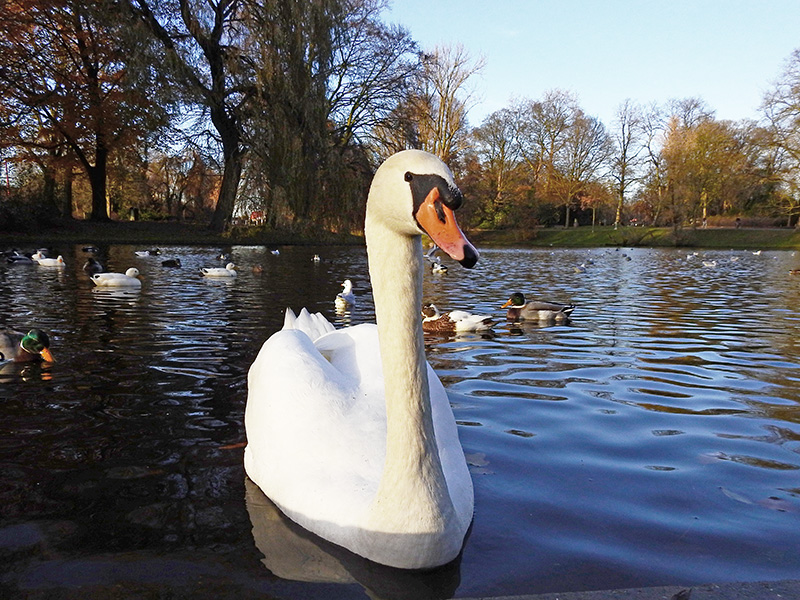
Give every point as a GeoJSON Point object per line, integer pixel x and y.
{"type": "Point", "coordinates": [165, 233]}
{"type": "Point", "coordinates": [586, 237]}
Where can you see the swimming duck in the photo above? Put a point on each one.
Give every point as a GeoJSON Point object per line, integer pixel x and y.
{"type": "Point", "coordinates": [92, 266]}
{"type": "Point", "coordinates": [258, 269]}
{"type": "Point", "coordinates": [455, 321]}
{"type": "Point", "coordinates": [436, 262]}
{"type": "Point", "coordinates": [171, 262]}
{"type": "Point", "coordinates": [228, 271]}
{"type": "Point", "coordinates": [153, 252]}
{"type": "Point", "coordinates": [438, 267]}
{"type": "Point", "coordinates": [350, 432]}
{"type": "Point", "coordinates": [52, 262]}
{"type": "Point", "coordinates": [316, 258]}
{"type": "Point", "coordinates": [130, 278]}
{"type": "Point", "coordinates": [346, 298]}
{"type": "Point", "coordinates": [520, 310]}
{"type": "Point", "coordinates": [24, 347]}
{"type": "Point", "coordinates": [15, 257]}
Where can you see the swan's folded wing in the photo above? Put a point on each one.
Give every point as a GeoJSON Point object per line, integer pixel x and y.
{"type": "Point", "coordinates": [306, 416]}
{"type": "Point", "coordinates": [313, 325]}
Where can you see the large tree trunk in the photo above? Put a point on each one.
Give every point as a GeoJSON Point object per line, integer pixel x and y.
{"type": "Point", "coordinates": [97, 180]}
{"type": "Point", "coordinates": [49, 188]}
{"type": "Point", "coordinates": [66, 206]}
{"type": "Point", "coordinates": [228, 130]}
{"type": "Point", "coordinates": [618, 216]}
{"type": "Point", "coordinates": [231, 175]}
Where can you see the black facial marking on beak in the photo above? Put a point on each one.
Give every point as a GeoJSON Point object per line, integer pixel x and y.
{"type": "Point", "coordinates": [421, 185]}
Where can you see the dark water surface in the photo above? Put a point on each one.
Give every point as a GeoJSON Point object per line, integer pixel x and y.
{"type": "Point", "coordinates": [653, 440]}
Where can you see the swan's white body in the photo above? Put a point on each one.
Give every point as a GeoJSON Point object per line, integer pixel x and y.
{"type": "Point", "coordinates": [346, 297]}
{"type": "Point", "coordinates": [228, 271]}
{"type": "Point", "coordinates": [52, 262]}
{"type": "Point", "coordinates": [129, 279]}
{"type": "Point", "coordinates": [350, 432]}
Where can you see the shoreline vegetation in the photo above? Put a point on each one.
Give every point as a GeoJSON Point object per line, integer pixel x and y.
{"type": "Point", "coordinates": [171, 233]}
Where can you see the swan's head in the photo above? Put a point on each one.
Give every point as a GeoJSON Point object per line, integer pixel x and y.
{"type": "Point", "coordinates": [413, 192]}
{"type": "Point", "coordinates": [133, 272]}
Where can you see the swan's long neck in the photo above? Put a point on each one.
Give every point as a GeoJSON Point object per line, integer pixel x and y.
{"type": "Point", "coordinates": [413, 486]}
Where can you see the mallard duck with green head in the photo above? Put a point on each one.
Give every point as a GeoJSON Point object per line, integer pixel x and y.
{"type": "Point", "coordinates": [521, 310]}
{"type": "Point", "coordinates": [25, 347]}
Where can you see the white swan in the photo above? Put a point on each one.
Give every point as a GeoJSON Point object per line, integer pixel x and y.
{"type": "Point", "coordinates": [351, 433]}
{"type": "Point", "coordinates": [129, 278]}
{"type": "Point", "coordinates": [346, 297]}
{"type": "Point", "coordinates": [228, 271]}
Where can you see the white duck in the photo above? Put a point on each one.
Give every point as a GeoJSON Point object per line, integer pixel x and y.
{"type": "Point", "coordinates": [350, 432]}
{"type": "Point", "coordinates": [52, 262]}
{"type": "Point", "coordinates": [228, 270]}
{"type": "Point", "coordinates": [129, 279]}
{"type": "Point", "coordinates": [346, 298]}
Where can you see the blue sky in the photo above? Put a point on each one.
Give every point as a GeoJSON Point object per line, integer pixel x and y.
{"type": "Point", "coordinates": [727, 52]}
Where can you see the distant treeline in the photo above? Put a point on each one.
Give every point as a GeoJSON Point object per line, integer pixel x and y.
{"type": "Point", "coordinates": [274, 114]}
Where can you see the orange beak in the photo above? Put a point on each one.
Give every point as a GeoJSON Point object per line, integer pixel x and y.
{"type": "Point", "coordinates": [439, 222]}
{"type": "Point", "coordinates": [508, 303]}
{"type": "Point", "coordinates": [45, 354]}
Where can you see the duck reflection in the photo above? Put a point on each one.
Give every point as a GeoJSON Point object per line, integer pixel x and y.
{"type": "Point", "coordinates": [116, 292]}
{"type": "Point", "coordinates": [290, 552]}
{"type": "Point", "coordinates": [526, 327]}
{"type": "Point", "coordinates": [25, 371]}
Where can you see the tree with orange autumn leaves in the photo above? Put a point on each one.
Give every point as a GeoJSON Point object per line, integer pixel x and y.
{"type": "Point", "coordinates": [284, 108]}
{"type": "Point", "coordinates": [65, 91]}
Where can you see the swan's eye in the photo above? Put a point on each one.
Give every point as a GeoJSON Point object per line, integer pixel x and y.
{"type": "Point", "coordinates": [408, 176]}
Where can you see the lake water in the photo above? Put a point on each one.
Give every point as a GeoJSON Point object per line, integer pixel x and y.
{"type": "Point", "coordinates": [653, 440]}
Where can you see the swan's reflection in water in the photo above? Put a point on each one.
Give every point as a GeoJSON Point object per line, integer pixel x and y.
{"type": "Point", "coordinates": [290, 552]}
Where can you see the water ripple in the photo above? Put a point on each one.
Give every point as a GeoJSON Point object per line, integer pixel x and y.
{"type": "Point", "coordinates": [655, 438]}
